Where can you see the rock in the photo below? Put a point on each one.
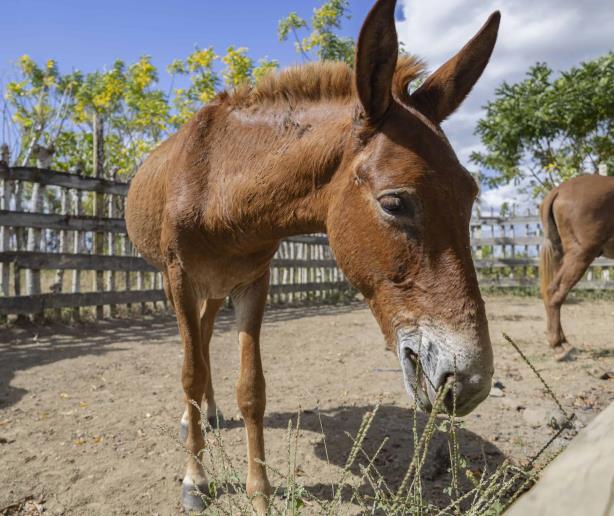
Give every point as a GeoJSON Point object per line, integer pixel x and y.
{"type": "Point", "coordinates": [498, 384]}
{"type": "Point", "coordinates": [513, 404]}
{"type": "Point", "coordinates": [600, 374]}
{"type": "Point", "coordinates": [534, 417]}
{"type": "Point", "coordinates": [578, 424]}
{"type": "Point", "coordinates": [538, 417]}
{"type": "Point", "coordinates": [557, 420]}
{"type": "Point", "coordinates": [496, 392]}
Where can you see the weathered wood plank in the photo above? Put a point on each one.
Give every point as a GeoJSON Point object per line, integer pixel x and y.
{"type": "Point", "coordinates": [64, 244]}
{"type": "Point", "coordinates": [308, 239]}
{"type": "Point", "coordinates": [111, 248]}
{"type": "Point", "coordinates": [520, 262]}
{"type": "Point", "coordinates": [580, 480]}
{"type": "Point", "coordinates": [5, 232]}
{"type": "Point", "coordinates": [504, 262]}
{"type": "Point", "coordinates": [501, 241]}
{"type": "Point", "coordinates": [56, 221]}
{"type": "Point", "coordinates": [532, 282]}
{"type": "Point", "coordinates": [33, 276]}
{"type": "Point", "coordinates": [63, 261]}
{"type": "Point", "coordinates": [78, 248]}
{"type": "Point", "coordinates": [45, 176]}
{"type": "Point", "coordinates": [20, 236]}
{"type": "Point", "coordinates": [308, 263]}
{"type": "Point", "coordinates": [99, 237]}
{"type": "Point", "coordinates": [308, 287]}
{"type": "Point", "coordinates": [35, 304]}
{"type": "Point", "coordinates": [496, 220]}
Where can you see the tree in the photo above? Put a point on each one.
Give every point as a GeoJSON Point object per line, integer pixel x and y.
{"type": "Point", "coordinates": [546, 129]}
{"type": "Point", "coordinates": [40, 102]}
{"type": "Point", "coordinates": [198, 66]}
{"type": "Point", "coordinates": [135, 112]}
{"type": "Point", "coordinates": [44, 107]}
{"type": "Point", "coordinates": [323, 41]}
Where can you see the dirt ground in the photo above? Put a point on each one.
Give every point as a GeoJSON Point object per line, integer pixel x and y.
{"type": "Point", "coordinates": [81, 407]}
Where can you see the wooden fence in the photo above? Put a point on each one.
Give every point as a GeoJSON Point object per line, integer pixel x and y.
{"type": "Point", "coordinates": [506, 253]}
{"type": "Point", "coordinates": [63, 247]}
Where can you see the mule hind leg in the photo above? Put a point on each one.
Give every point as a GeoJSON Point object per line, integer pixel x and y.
{"type": "Point", "coordinates": [194, 376]}
{"type": "Point", "coordinates": [574, 265]}
{"type": "Point", "coordinates": [207, 320]}
{"type": "Point", "coordinates": [249, 309]}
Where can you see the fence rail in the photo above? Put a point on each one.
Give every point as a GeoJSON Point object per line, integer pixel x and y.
{"type": "Point", "coordinates": [63, 247]}
{"type": "Point", "coordinates": [75, 181]}
{"type": "Point", "coordinates": [506, 253]}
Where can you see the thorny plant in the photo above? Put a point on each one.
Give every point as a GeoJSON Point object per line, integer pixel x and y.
{"type": "Point", "coordinates": [488, 493]}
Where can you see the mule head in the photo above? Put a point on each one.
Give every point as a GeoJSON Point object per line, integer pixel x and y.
{"type": "Point", "coordinates": [399, 219]}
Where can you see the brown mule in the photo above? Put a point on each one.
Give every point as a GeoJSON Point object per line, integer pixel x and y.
{"type": "Point", "coordinates": [322, 148]}
{"type": "Point", "coordinates": [578, 222]}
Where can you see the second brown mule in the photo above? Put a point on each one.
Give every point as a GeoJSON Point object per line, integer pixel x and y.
{"type": "Point", "coordinates": [578, 223]}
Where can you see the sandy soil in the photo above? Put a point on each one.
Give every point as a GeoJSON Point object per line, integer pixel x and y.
{"type": "Point", "coordinates": [81, 407]}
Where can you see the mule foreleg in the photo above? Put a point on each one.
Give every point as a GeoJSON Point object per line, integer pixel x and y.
{"type": "Point", "coordinates": [194, 376]}
{"type": "Point", "coordinates": [208, 312]}
{"type": "Point", "coordinates": [573, 267]}
{"type": "Point", "coordinates": [249, 308]}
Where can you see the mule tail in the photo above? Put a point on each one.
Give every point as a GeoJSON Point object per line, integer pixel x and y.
{"type": "Point", "coordinates": [551, 249]}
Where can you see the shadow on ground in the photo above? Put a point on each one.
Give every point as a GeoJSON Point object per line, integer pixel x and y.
{"type": "Point", "coordinates": [393, 424]}
{"type": "Point", "coordinates": [32, 345]}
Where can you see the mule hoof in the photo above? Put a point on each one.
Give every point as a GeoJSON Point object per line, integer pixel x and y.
{"type": "Point", "coordinates": [260, 505]}
{"type": "Point", "coordinates": [191, 500]}
{"type": "Point", "coordinates": [564, 353]}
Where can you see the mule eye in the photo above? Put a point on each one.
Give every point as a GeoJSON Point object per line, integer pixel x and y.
{"type": "Point", "coordinates": [395, 205]}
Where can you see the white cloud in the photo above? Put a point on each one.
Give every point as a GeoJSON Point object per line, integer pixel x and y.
{"type": "Point", "coordinates": [560, 32]}
{"type": "Point", "coordinates": [514, 196]}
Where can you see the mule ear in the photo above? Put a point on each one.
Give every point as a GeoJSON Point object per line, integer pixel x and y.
{"type": "Point", "coordinates": [447, 87]}
{"type": "Point", "coordinates": [376, 59]}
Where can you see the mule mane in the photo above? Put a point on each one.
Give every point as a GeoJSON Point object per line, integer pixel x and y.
{"type": "Point", "coordinates": [326, 80]}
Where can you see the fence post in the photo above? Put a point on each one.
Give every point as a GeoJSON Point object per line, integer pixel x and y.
{"type": "Point", "coordinates": [112, 212]}
{"type": "Point", "coordinates": [33, 276]}
{"type": "Point", "coordinates": [63, 248]}
{"type": "Point", "coordinates": [127, 251]}
{"type": "Point", "coordinates": [19, 241]}
{"type": "Point", "coordinates": [140, 285]}
{"type": "Point", "coordinates": [98, 166]}
{"type": "Point", "coordinates": [78, 248]}
{"type": "Point", "coordinates": [5, 235]}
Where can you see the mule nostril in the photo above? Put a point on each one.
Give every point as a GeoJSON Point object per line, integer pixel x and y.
{"type": "Point", "coordinates": [449, 399]}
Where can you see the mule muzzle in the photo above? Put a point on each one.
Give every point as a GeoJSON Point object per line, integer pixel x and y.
{"type": "Point", "coordinates": [431, 357]}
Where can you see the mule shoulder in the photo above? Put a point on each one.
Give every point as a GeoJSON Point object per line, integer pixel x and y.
{"type": "Point", "coordinates": [148, 199]}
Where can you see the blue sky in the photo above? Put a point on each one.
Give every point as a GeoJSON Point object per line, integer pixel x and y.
{"type": "Point", "coordinates": [88, 36]}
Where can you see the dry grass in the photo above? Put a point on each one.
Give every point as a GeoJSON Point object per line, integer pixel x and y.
{"type": "Point", "coordinates": [485, 493]}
